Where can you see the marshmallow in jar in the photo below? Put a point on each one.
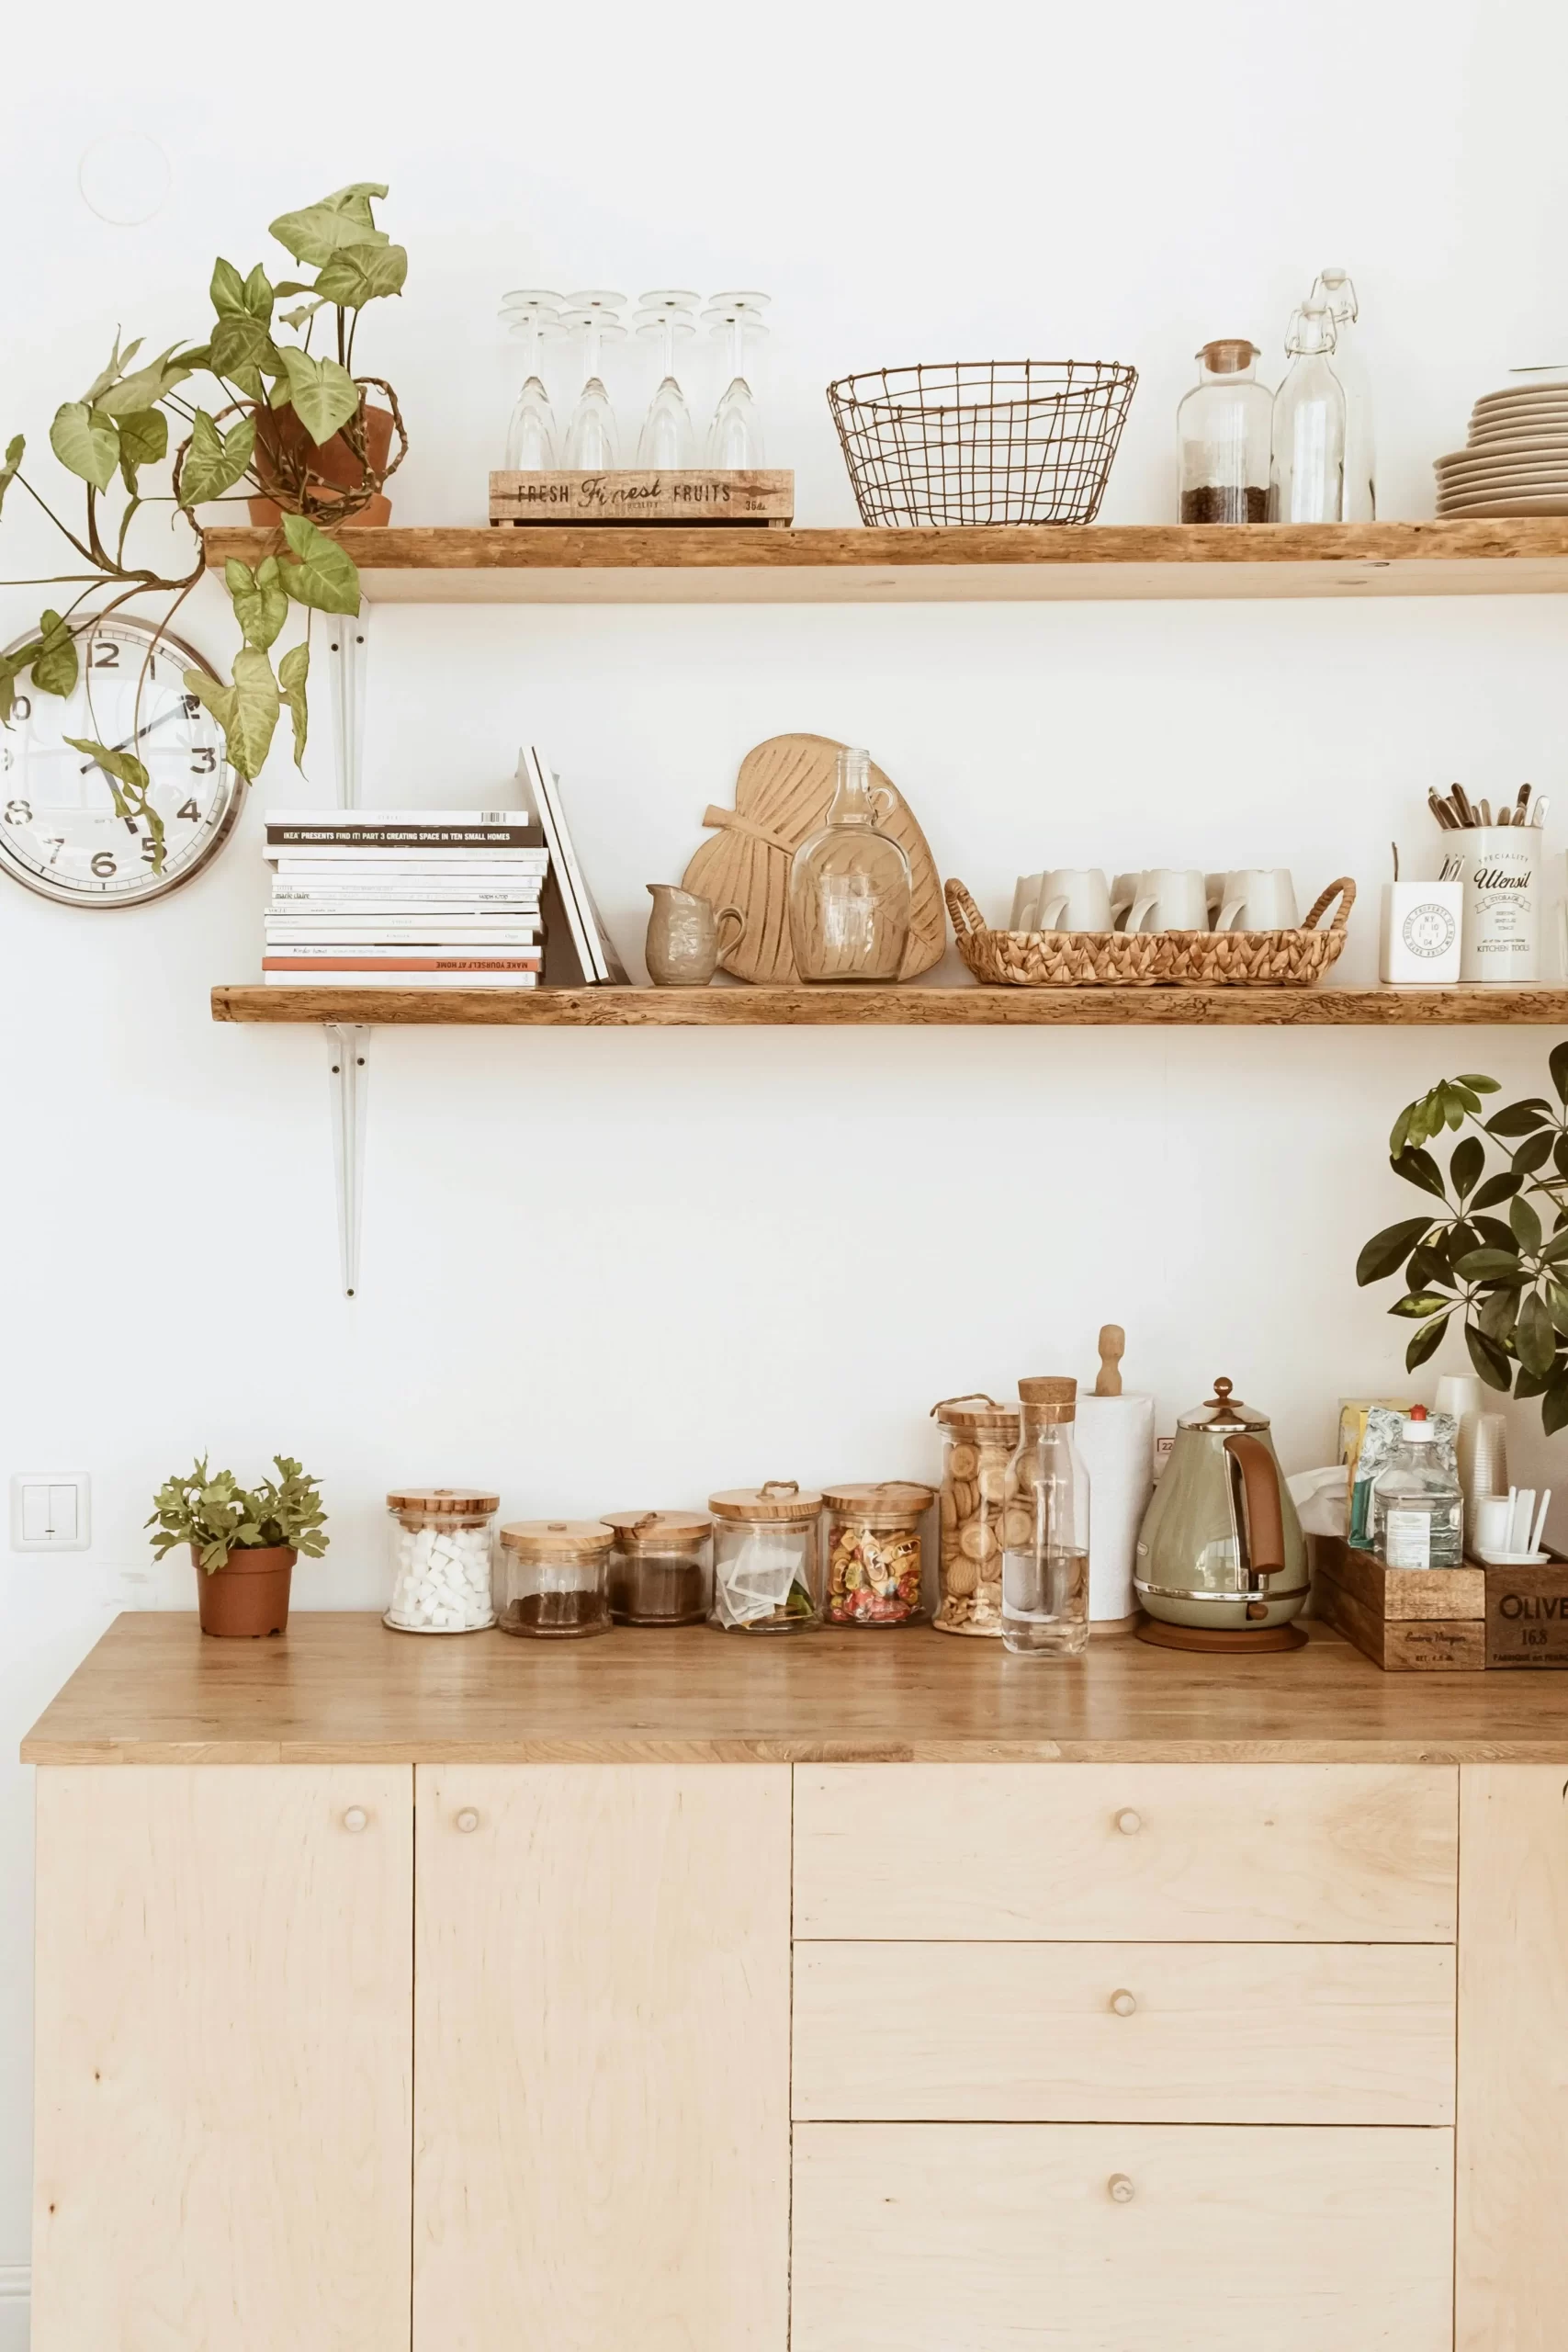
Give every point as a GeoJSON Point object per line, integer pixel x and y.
{"type": "Point", "coordinates": [442, 1539]}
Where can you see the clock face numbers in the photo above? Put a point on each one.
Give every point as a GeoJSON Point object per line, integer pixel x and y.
{"type": "Point", "coordinates": [60, 832]}
{"type": "Point", "coordinates": [1429, 930]}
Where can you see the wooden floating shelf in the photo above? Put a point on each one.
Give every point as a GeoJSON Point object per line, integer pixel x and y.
{"type": "Point", "coordinates": [915, 1008]}
{"type": "Point", "coordinates": [561, 564]}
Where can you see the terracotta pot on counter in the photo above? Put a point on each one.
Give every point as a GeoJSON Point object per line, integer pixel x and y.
{"type": "Point", "coordinates": [279, 431]}
{"type": "Point", "coordinates": [249, 1595]}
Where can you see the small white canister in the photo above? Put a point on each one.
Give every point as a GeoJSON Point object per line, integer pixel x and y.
{"type": "Point", "coordinates": [1422, 923]}
{"type": "Point", "coordinates": [1502, 893]}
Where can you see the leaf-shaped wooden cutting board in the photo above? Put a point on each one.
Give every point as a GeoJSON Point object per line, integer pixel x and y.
{"type": "Point", "coordinates": [781, 795]}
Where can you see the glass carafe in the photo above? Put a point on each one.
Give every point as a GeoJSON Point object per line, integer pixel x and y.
{"type": "Point", "coordinates": [1223, 427]}
{"type": "Point", "coordinates": [1308, 474]}
{"type": "Point", "coordinates": [849, 887]}
{"type": "Point", "coordinates": [1046, 1532]}
{"type": "Point", "coordinates": [1335, 291]}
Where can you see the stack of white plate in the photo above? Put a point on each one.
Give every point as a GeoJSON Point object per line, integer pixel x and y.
{"type": "Point", "coordinates": [1517, 460]}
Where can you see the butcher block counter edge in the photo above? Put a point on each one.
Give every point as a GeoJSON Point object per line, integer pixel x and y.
{"type": "Point", "coordinates": [343, 1688]}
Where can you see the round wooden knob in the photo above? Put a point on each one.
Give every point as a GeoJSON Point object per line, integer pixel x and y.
{"type": "Point", "coordinates": [1129, 1823]}
{"type": "Point", "coordinates": [1121, 2188]}
{"type": "Point", "coordinates": [1123, 2003]}
{"type": "Point", "coordinates": [356, 1818]}
{"type": "Point", "coordinates": [467, 1820]}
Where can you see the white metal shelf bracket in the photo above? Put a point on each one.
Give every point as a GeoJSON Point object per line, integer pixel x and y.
{"type": "Point", "coordinates": [348, 1052]}
{"type": "Point", "coordinates": [348, 652]}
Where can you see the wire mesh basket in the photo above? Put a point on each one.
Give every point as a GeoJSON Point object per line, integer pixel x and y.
{"type": "Point", "coordinates": [982, 441]}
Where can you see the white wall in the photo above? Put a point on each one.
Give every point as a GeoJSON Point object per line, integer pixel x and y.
{"type": "Point", "coordinates": [618, 1268]}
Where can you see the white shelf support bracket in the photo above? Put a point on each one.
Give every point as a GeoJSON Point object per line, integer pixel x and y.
{"type": "Point", "coordinates": [348, 1058]}
{"type": "Point", "coordinates": [348, 652]}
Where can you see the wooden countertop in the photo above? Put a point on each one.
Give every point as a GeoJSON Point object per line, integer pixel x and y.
{"type": "Point", "coordinates": [341, 1689]}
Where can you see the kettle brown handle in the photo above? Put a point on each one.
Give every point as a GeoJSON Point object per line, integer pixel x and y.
{"type": "Point", "coordinates": [1265, 1520]}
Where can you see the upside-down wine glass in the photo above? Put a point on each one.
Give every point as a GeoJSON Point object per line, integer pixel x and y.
{"type": "Point", "coordinates": [735, 438]}
{"type": "Point", "coordinates": [592, 445]}
{"type": "Point", "coordinates": [531, 435]}
{"type": "Point", "coordinates": [668, 441]}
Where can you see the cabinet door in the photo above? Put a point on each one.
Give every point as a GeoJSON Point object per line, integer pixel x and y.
{"type": "Point", "coordinates": [601, 2058]}
{"type": "Point", "coordinates": [224, 2038]}
{"type": "Point", "coordinates": [1512, 2271]}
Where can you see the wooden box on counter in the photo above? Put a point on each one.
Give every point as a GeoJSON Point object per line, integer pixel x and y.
{"type": "Point", "coordinates": [1445, 1621]}
{"type": "Point", "coordinates": [701, 494]}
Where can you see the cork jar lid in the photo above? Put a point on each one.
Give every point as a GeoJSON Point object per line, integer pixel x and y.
{"type": "Point", "coordinates": [780, 1500]}
{"type": "Point", "coordinates": [658, 1531]}
{"type": "Point", "coordinates": [1049, 1395]}
{"type": "Point", "coordinates": [444, 1502]}
{"type": "Point", "coordinates": [556, 1539]}
{"type": "Point", "coordinates": [977, 1416]}
{"type": "Point", "coordinates": [892, 1504]}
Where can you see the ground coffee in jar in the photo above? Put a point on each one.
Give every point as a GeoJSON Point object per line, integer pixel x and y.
{"type": "Point", "coordinates": [659, 1568]}
{"type": "Point", "coordinates": [552, 1577]}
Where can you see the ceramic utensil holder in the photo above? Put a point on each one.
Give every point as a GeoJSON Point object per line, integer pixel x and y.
{"type": "Point", "coordinates": [1501, 889]}
{"type": "Point", "coordinates": [1422, 939]}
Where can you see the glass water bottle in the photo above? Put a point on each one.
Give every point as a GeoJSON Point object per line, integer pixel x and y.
{"type": "Point", "coordinates": [1045, 1529]}
{"type": "Point", "coordinates": [849, 887]}
{"type": "Point", "coordinates": [1223, 429]}
{"type": "Point", "coordinates": [1307, 478]}
{"type": "Point", "coordinates": [1335, 291]}
{"type": "Point", "coordinates": [1417, 1509]}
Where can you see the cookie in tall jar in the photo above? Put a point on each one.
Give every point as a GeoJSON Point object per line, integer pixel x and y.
{"type": "Point", "coordinates": [979, 1437]}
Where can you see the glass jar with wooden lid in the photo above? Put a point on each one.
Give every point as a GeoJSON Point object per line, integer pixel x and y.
{"type": "Point", "coordinates": [979, 1437]}
{"type": "Point", "coordinates": [766, 1558]}
{"type": "Point", "coordinates": [552, 1577]}
{"type": "Point", "coordinates": [874, 1553]}
{"type": "Point", "coordinates": [442, 1544]}
{"type": "Point", "coordinates": [658, 1566]}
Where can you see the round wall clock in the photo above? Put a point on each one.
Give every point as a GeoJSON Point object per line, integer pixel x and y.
{"type": "Point", "coordinates": [59, 834]}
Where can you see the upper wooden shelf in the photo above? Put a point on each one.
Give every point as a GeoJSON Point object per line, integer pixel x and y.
{"type": "Point", "coordinates": [968, 1007]}
{"type": "Point", "coordinates": [560, 565]}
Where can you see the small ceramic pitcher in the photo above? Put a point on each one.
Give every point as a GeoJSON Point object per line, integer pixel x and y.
{"type": "Point", "coordinates": [684, 945]}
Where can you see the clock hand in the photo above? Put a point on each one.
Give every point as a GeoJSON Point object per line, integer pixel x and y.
{"type": "Point", "coordinates": [137, 737]}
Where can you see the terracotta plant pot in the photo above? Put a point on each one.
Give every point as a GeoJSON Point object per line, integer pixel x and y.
{"type": "Point", "coordinates": [280, 435]}
{"type": "Point", "coordinates": [249, 1597]}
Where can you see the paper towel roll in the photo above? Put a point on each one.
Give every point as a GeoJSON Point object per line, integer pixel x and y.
{"type": "Point", "coordinates": [1116, 1438]}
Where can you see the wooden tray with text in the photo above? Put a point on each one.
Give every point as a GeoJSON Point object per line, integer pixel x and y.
{"type": "Point", "coordinates": [704, 494]}
{"type": "Point", "coordinates": [1443, 1621]}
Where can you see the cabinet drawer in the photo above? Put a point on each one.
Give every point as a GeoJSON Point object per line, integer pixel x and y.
{"type": "Point", "coordinates": [1199, 2033]}
{"type": "Point", "coordinates": [1011, 2238]}
{"type": "Point", "coordinates": [1224, 1853]}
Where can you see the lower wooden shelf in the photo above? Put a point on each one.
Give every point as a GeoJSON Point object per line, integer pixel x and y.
{"type": "Point", "coordinates": [747, 1007]}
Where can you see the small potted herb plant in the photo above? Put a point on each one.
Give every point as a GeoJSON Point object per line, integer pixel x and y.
{"type": "Point", "coordinates": [243, 1541]}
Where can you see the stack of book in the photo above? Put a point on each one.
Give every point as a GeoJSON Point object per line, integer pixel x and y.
{"type": "Point", "coordinates": [415, 898]}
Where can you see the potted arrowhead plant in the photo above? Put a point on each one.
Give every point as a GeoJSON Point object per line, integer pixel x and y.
{"type": "Point", "coordinates": [292, 426]}
{"type": "Point", "coordinates": [1490, 1254]}
{"type": "Point", "coordinates": [244, 1541]}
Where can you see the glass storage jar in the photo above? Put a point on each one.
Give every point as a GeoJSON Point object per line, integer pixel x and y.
{"type": "Point", "coordinates": [442, 1544]}
{"type": "Point", "coordinates": [1224, 428]}
{"type": "Point", "coordinates": [874, 1553]}
{"type": "Point", "coordinates": [978, 1439]}
{"type": "Point", "coordinates": [1045, 1528]}
{"type": "Point", "coordinates": [766, 1558]}
{"type": "Point", "coordinates": [553, 1577]}
{"type": "Point", "coordinates": [659, 1568]}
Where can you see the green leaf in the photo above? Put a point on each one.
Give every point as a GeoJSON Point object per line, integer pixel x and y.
{"type": "Point", "coordinates": [1399, 1134]}
{"type": "Point", "coordinates": [1556, 1250]}
{"type": "Point", "coordinates": [1426, 1342]}
{"type": "Point", "coordinates": [1524, 1223]}
{"type": "Point", "coordinates": [1494, 1234]}
{"type": "Point", "coordinates": [1418, 1305]}
{"type": "Point", "coordinates": [361, 274]}
{"type": "Point", "coordinates": [1489, 1359]}
{"type": "Point", "coordinates": [1465, 1097]}
{"type": "Point", "coordinates": [219, 700]}
{"type": "Point", "coordinates": [1499, 1314]}
{"type": "Point", "coordinates": [1560, 1155]}
{"type": "Point", "coordinates": [242, 350]}
{"type": "Point", "coordinates": [1554, 1409]}
{"type": "Point", "coordinates": [1557, 1305]}
{"type": "Point", "coordinates": [14, 451]}
{"type": "Point", "coordinates": [256, 706]}
{"type": "Point", "coordinates": [323, 577]}
{"type": "Point", "coordinates": [124, 771]}
{"type": "Point", "coordinates": [1557, 1063]}
{"type": "Point", "coordinates": [1453, 1105]}
{"type": "Point", "coordinates": [1429, 1269]}
{"type": "Point", "coordinates": [146, 388]}
{"type": "Point", "coordinates": [292, 673]}
{"type": "Point", "coordinates": [1534, 1384]}
{"type": "Point", "coordinates": [214, 463]}
{"type": "Point", "coordinates": [259, 602]}
{"type": "Point", "coordinates": [143, 441]}
{"type": "Point", "coordinates": [256, 295]}
{"type": "Point", "coordinates": [1534, 1338]}
{"type": "Point", "coordinates": [1520, 1118]}
{"type": "Point", "coordinates": [1420, 1169]}
{"type": "Point", "coordinates": [55, 665]}
{"type": "Point", "coordinates": [1480, 1265]}
{"type": "Point", "coordinates": [1535, 1151]}
{"type": "Point", "coordinates": [1386, 1252]}
{"type": "Point", "coordinates": [1467, 1166]}
{"type": "Point", "coordinates": [1479, 1085]}
{"type": "Point", "coordinates": [1497, 1188]}
{"type": "Point", "coordinates": [119, 362]}
{"type": "Point", "coordinates": [324, 396]}
{"type": "Point", "coordinates": [227, 290]}
{"type": "Point", "coordinates": [339, 221]}
{"type": "Point", "coordinates": [296, 317]}
{"type": "Point", "coordinates": [85, 442]}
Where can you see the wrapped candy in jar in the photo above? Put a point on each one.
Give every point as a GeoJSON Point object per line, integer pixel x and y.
{"type": "Point", "coordinates": [442, 1540]}
{"type": "Point", "coordinates": [658, 1568]}
{"type": "Point", "coordinates": [874, 1553]}
{"type": "Point", "coordinates": [979, 1438]}
{"type": "Point", "coordinates": [553, 1577]}
{"type": "Point", "coordinates": [766, 1556]}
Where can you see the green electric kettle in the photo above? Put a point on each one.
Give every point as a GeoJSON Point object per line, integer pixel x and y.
{"type": "Point", "coordinates": [1221, 1560]}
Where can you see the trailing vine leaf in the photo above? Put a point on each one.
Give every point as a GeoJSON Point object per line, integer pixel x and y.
{"type": "Point", "coordinates": [1420, 1169]}
{"type": "Point", "coordinates": [214, 462]}
{"type": "Point", "coordinates": [1387, 1251]}
{"type": "Point", "coordinates": [292, 673]}
{"type": "Point", "coordinates": [243, 347]}
{"type": "Point", "coordinates": [1524, 1223]}
{"type": "Point", "coordinates": [146, 388]}
{"type": "Point", "coordinates": [361, 274]}
{"type": "Point", "coordinates": [55, 666]}
{"type": "Point", "coordinates": [127, 780]}
{"type": "Point", "coordinates": [299, 315]}
{"type": "Point", "coordinates": [343, 218]}
{"type": "Point", "coordinates": [261, 607]}
{"type": "Point", "coordinates": [227, 289]}
{"type": "Point", "coordinates": [16, 449]}
{"type": "Point", "coordinates": [1426, 1342]}
{"type": "Point", "coordinates": [256, 706]}
{"type": "Point", "coordinates": [85, 442]}
{"type": "Point", "coordinates": [323, 577]}
{"type": "Point", "coordinates": [1466, 1167]}
{"type": "Point", "coordinates": [143, 441]}
{"type": "Point", "coordinates": [1489, 1359]}
{"type": "Point", "coordinates": [256, 294]}
{"type": "Point", "coordinates": [324, 396]}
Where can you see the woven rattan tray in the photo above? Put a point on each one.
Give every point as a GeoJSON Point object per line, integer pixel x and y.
{"type": "Point", "coordinates": [1149, 959]}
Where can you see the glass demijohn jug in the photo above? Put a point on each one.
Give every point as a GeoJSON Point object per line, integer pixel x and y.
{"type": "Point", "coordinates": [849, 887]}
{"type": "Point", "coordinates": [1307, 476]}
{"type": "Point", "coordinates": [1223, 427]}
{"type": "Point", "coordinates": [1045, 1532]}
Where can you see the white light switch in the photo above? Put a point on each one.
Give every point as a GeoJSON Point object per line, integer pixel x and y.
{"type": "Point", "coordinates": [50, 1511]}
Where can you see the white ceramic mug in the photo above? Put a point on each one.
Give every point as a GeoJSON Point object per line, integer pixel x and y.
{"type": "Point", "coordinates": [1026, 901]}
{"type": "Point", "coordinates": [1073, 897]}
{"type": "Point", "coordinates": [1170, 897]}
{"type": "Point", "coordinates": [1256, 897]}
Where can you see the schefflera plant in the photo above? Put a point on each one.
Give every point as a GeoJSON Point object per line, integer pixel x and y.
{"type": "Point", "coordinates": [122, 428]}
{"type": "Point", "coordinates": [1494, 1255]}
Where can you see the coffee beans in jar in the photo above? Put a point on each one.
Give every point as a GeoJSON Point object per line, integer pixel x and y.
{"type": "Point", "coordinates": [979, 1437]}
{"type": "Point", "coordinates": [874, 1553]}
{"type": "Point", "coordinates": [659, 1568]}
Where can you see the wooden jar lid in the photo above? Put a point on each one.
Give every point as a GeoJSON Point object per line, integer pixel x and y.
{"type": "Point", "coordinates": [444, 1502]}
{"type": "Point", "coordinates": [977, 1416]}
{"type": "Point", "coordinates": [780, 1499]}
{"type": "Point", "coordinates": [892, 1504]}
{"type": "Point", "coordinates": [656, 1531]}
{"type": "Point", "coordinates": [556, 1539]}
